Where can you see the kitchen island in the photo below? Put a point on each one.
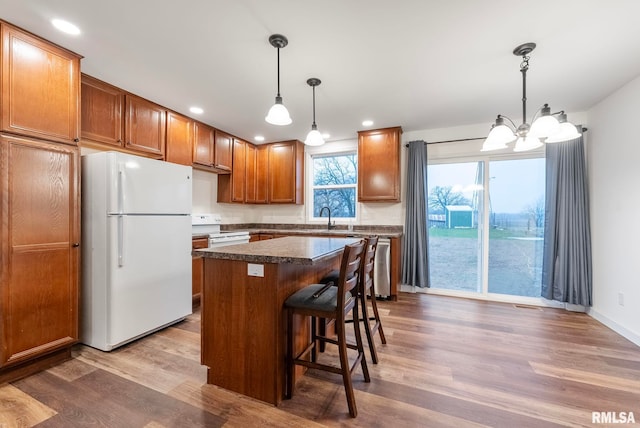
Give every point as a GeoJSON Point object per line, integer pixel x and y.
{"type": "Point", "coordinates": [243, 321]}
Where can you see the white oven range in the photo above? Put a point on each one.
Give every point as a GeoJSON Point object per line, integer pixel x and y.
{"type": "Point", "coordinates": [209, 224]}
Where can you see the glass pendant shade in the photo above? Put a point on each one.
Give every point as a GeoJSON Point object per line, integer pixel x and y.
{"type": "Point", "coordinates": [314, 138]}
{"type": "Point", "coordinates": [278, 114]}
{"type": "Point", "coordinates": [529, 142]}
{"type": "Point", "coordinates": [544, 126]}
{"type": "Point", "coordinates": [568, 131]}
{"type": "Point", "coordinates": [499, 136]}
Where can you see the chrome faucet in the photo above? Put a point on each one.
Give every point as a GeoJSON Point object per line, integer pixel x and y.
{"type": "Point", "coordinates": [329, 226]}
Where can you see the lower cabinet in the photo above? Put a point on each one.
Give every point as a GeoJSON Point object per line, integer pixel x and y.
{"type": "Point", "coordinates": [39, 257]}
{"type": "Point", "coordinates": [197, 269]}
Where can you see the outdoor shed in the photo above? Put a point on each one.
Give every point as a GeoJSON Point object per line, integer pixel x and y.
{"type": "Point", "coordinates": [458, 216]}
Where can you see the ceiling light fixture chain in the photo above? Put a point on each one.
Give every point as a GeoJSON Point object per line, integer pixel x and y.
{"type": "Point", "coordinates": [545, 126]}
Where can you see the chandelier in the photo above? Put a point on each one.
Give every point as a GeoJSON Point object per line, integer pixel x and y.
{"type": "Point", "coordinates": [546, 127]}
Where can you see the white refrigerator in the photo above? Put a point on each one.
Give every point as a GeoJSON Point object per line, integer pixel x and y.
{"type": "Point", "coordinates": [136, 241]}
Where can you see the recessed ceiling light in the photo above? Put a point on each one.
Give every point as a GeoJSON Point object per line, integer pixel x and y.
{"type": "Point", "coordinates": [325, 135]}
{"type": "Point", "coordinates": [367, 122]}
{"type": "Point", "coordinates": [196, 110]}
{"type": "Point", "coordinates": [65, 26]}
{"type": "Point", "coordinates": [258, 138]}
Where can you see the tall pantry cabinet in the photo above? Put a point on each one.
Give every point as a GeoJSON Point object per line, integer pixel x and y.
{"type": "Point", "coordinates": [39, 203]}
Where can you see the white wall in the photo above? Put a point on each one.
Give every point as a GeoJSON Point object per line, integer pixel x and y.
{"type": "Point", "coordinates": [614, 154]}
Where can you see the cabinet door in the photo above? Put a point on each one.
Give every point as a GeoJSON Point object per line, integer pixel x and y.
{"type": "Point", "coordinates": [197, 268]}
{"type": "Point", "coordinates": [262, 170]}
{"type": "Point", "coordinates": [223, 151]}
{"type": "Point", "coordinates": [286, 173]}
{"type": "Point", "coordinates": [203, 140]}
{"type": "Point", "coordinates": [40, 248]}
{"type": "Point", "coordinates": [379, 165]}
{"type": "Point", "coordinates": [144, 126]}
{"type": "Point", "coordinates": [250, 177]}
{"type": "Point", "coordinates": [102, 109]}
{"type": "Point", "coordinates": [179, 140]}
{"type": "Point", "coordinates": [40, 88]}
{"type": "Point", "coordinates": [238, 171]}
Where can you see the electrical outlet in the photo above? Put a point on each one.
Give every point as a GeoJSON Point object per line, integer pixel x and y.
{"type": "Point", "coordinates": [621, 299]}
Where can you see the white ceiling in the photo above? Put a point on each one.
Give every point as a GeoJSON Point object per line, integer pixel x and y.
{"type": "Point", "coordinates": [420, 64]}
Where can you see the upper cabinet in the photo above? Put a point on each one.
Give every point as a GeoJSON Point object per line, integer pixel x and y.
{"type": "Point", "coordinates": [232, 187]}
{"type": "Point", "coordinates": [264, 174]}
{"type": "Point", "coordinates": [102, 112]}
{"type": "Point", "coordinates": [113, 117]}
{"type": "Point", "coordinates": [379, 165]}
{"type": "Point", "coordinates": [144, 127]}
{"type": "Point", "coordinates": [40, 87]}
{"type": "Point", "coordinates": [211, 149]}
{"type": "Point", "coordinates": [286, 172]}
{"type": "Point", "coordinates": [223, 150]}
{"type": "Point", "coordinates": [179, 139]}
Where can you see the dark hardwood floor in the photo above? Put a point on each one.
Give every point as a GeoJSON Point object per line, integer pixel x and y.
{"type": "Point", "coordinates": [448, 362]}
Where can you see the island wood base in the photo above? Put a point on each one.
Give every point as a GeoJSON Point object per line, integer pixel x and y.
{"type": "Point", "coordinates": [244, 324]}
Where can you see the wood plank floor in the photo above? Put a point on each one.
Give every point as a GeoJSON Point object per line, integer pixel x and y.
{"type": "Point", "coordinates": [448, 362]}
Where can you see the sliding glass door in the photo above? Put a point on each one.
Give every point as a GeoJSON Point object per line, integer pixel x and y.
{"type": "Point", "coordinates": [516, 222]}
{"type": "Point", "coordinates": [454, 211]}
{"type": "Point", "coordinates": [486, 210]}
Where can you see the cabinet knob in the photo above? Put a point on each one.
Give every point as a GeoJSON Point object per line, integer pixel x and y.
{"type": "Point", "coordinates": [76, 140]}
{"type": "Point", "coordinates": [119, 141]}
{"type": "Point", "coordinates": [75, 244]}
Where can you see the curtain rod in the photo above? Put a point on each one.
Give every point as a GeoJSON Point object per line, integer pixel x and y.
{"type": "Point", "coordinates": [467, 139]}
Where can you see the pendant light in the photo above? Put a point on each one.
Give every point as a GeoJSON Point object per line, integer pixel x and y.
{"type": "Point", "coordinates": [314, 138]}
{"type": "Point", "coordinates": [546, 127]}
{"type": "Point", "coordinates": [278, 113]}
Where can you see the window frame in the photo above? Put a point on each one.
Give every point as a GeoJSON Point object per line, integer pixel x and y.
{"type": "Point", "coordinates": [330, 149]}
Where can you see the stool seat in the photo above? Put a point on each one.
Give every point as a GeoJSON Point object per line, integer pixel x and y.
{"type": "Point", "coordinates": [316, 297]}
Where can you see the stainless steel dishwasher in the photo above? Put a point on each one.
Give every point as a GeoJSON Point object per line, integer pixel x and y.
{"type": "Point", "coordinates": [381, 269]}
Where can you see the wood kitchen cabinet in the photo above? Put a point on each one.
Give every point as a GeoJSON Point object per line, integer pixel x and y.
{"type": "Point", "coordinates": [116, 119]}
{"type": "Point", "coordinates": [250, 177]}
{"type": "Point", "coordinates": [179, 139]}
{"type": "Point", "coordinates": [286, 172]}
{"type": "Point", "coordinates": [102, 112]}
{"type": "Point", "coordinates": [211, 149]}
{"type": "Point", "coordinates": [232, 187]}
{"type": "Point", "coordinates": [40, 87]}
{"type": "Point", "coordinates": [144, 126]}
{"type": "Point", "coordinates": [262, 171]}
{"type": "Point", "coordinates": [223, 151]}
{"type": "Point", "coordinates": [197, 269]}
{"type": "Point", "coordinates": [39, 257]}
{"type": "Point", "coordinates": [379, 165]}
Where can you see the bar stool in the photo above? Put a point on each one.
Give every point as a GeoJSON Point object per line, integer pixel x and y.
{"type": "Point", "coordinates": [329, 302]}
{"type": "Point", "coordinates": [366, 291]}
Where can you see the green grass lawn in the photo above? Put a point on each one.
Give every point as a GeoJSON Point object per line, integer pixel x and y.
{"type": "Point", "coordinates": [438, 232]}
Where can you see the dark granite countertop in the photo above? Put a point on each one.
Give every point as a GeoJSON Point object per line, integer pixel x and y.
{"type": "Point", "coordinates": [305, 250]}
{"type": "Point", "coordinates": [317, 230]}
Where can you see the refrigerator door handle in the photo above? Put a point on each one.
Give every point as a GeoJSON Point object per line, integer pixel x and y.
{"type": "Point", "coordinates": [120, 240]}
{"type": "Point", "coordinates": [120, 188]}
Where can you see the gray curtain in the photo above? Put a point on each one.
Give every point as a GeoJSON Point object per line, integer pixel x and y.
{"type": "Point", "coordinates": [566, 261]}
{"type": "Point", "coordinates": [415, 266]}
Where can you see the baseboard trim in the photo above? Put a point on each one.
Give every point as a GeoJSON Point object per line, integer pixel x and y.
{"type": "Point", "coordinates": [622, 331]}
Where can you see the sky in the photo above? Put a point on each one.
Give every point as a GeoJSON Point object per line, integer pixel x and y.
{"type": "Point", "coordinates": [515, 184]}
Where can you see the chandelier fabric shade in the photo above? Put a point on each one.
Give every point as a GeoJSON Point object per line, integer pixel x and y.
{"type": "Point", "coordinates": [314, 138]}
{"type": "Point", "coordinates": [278, 113]}
{"type": "Point", "coordinates": [546, 127]}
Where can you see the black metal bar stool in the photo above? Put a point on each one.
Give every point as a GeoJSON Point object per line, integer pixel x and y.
{"type": "Point", "coordinates": [329, 302]}
{"type": "Point", "coordinates": [366, 291]}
